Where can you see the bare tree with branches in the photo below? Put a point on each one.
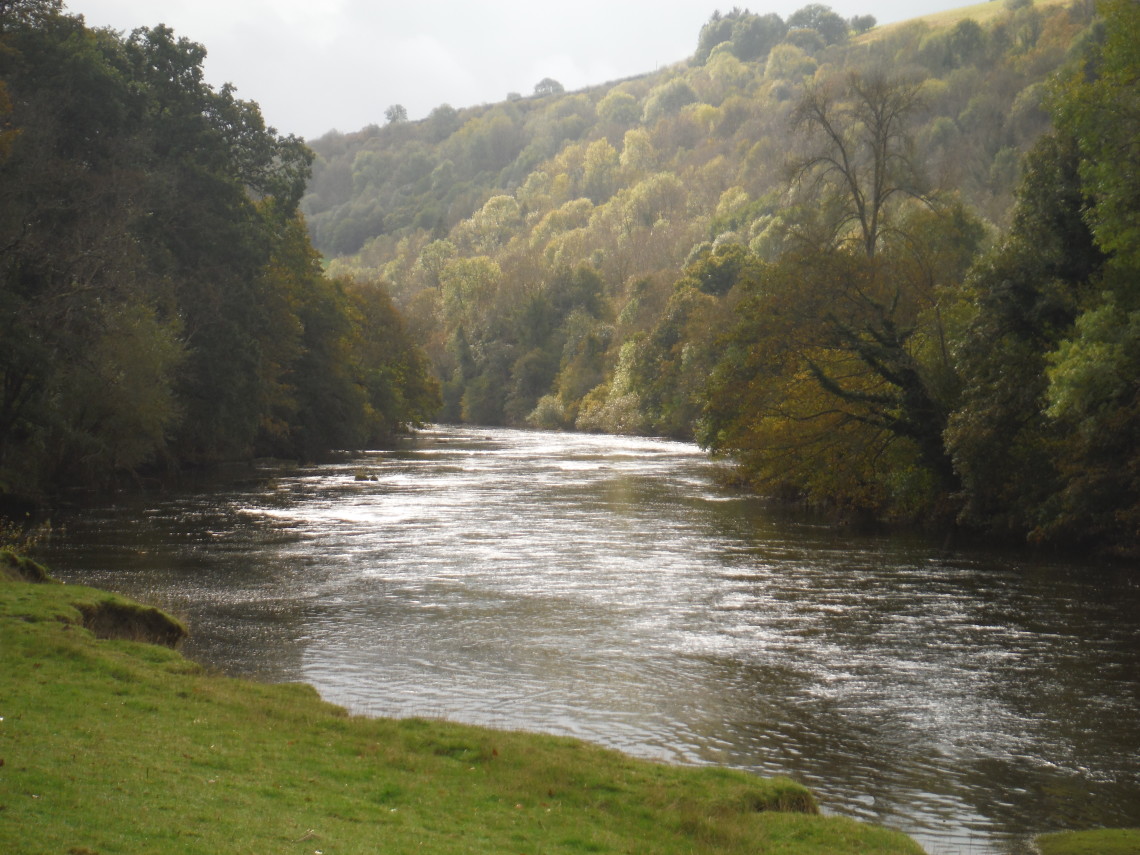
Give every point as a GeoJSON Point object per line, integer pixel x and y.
{"type": "Point", "coordinates": [860, 159]}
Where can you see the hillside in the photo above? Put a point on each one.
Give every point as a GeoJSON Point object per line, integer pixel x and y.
{"type": "Point", "coordinates": [381, 184]}
{"type": "Point", "coordinates": [703, 120]}
{"type": "Point", "coordinates": [474, 216]}
{"type": "Point", "coordinates": [885, 271]}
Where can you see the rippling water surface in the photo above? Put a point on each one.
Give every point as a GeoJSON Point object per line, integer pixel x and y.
{"type": "Point", "coordinates": [606, 588]}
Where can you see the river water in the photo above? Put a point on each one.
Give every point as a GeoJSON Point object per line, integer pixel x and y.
{"type": "Point", "coordinates": [606, 588]}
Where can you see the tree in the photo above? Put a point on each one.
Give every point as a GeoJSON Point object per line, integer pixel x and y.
{"type": "Point", "coordinates": [788, 435]}
{"type": "Point", "coordinates": [491, 226]}
{"type": "Point", "coordinates": [1026, 293]}
{"type": "Point", "coordinates": [443, 121]}
{"type": "Point", "coordinates": [87, 352]}
{"type": "Point", "coordinates": [862, 162]}
{"type": "Point", "coordinates": [600, 169]}
{"type": "Point", "coordinates": [718, 272]}
{"type": "Point", "coordinates": [222, 188]}
{"type": "Point", "coordinates": [788, 62]}
{"type": "Point", "coordinates": [433, 258]}
{"type": "Point", "coordinates": [669, 368]}
{"type": "Point", "coordinates": [1093, 391]}
{"type": "Point", "coordinates": [748, 36]}
{"type": "Point", "coordinates": [160, 302]}
{"type": "Point", "coordinates": [1046, 437]}
{"type": "Point", "coordinates": [716, 31]}
{"type": "Point", "coordinates": [840, 358]}
{"type": "Point", "coordinates": [27, 12]}
{"type": "Point", "coordinates": [1101, 107]}
{"type": "Point", "coordinates": [753, 36]}
{"type": "Point", "coordinates": [668, 99]}
{"type": "Point", "coordinates": [468, 288]}
{"type": "Point", "coordinates": [822, 19]}
{"type": "Point", "coordinates": [389, 366]}
{"type": "Point", "coordinates": [967, 42]}
{"type": "Point", "coordinates": [397, 114]}
{"type": "Point", "coordinates": [619, 107]}
{"type": "Point", "coordinates": [548, 86]}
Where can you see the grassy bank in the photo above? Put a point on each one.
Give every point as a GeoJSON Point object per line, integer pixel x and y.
{"type": "Point", "coordinates": [116, 746]}
{"type": "Point", "coordinates": [1104, 841]}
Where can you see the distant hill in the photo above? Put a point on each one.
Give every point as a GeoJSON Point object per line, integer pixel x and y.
{"type": "Point", "coordinates": [862, 263]}
{"type": "Point", "coordinates": [628, 178]}
{"type": "Point", "coordinates": [424, 178]}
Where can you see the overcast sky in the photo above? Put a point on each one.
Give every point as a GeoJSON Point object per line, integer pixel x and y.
{"type": "Point", "coordinates": [316, 65]}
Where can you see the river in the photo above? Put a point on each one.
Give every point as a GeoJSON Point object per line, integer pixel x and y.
{"type": "Point", "coordinates": [607, 588]}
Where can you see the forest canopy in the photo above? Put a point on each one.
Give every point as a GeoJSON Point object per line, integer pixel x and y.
{"type": "Point", "coordinates": [886, 271]}
{"type": "Point", "coordinates": [160, 302]}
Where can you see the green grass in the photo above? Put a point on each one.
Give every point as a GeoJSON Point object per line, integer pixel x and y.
{"type": "Point", "coordinates": [1110, 841]}
{"type": "Point", "coordinates": [114, 746]}
{"type": "Point", "coordinates": [983, 13]}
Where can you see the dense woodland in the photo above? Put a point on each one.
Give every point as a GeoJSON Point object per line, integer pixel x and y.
{"type": "Point", "coordinates": [888, 272]}
{"type": "Point", "coordinates": [161, 305]}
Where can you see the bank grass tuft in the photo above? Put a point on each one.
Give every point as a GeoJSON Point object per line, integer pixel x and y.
{"type": "Point", "coordinates": [1101, 841]}
{"type": "Point", "coordinates": [116, 746]}
{"type": "Point", "coordinates": [105, 615]}
{"type": "Point", "coordinates": [17, 568]}
{"type": "Point", "coordinates": [112, 617]}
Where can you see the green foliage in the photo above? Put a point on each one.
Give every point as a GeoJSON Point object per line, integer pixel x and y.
{"type": "Point", "coordinates": [160, 302]}
{"type": "Point", "coordinates": [619, 107]}
{"type": "Point", "coordinates": [718, 271]}
{"type": "Point", "coordinates": [396, 114]}
{"type": "Point", "coordinates": [835, 381]}
{"type": "Point", "coordinates": [753, 36]}
{"type": "Point", "coordinates": [27, 12]}
{"type": "Point", "coordinates": [820, 19]}
{"type": "Point", "coordinates": [548, 86]}
{"type": "Point", "coordinates": [1093, 393]}
{"type": "Point", "coordinates": [667, 100]}
{"type": "Point", "coordinates": [747, 36]}
{"type": "Point", "coordinates": [841, 343]}
{"type": "Point", "coordinates": [789, 62]}
{"type": "Point", "coordinates": [1101, 107]}
{"type": "Point", "coordinates": [400, 392]}
{"type": "Point", "coordinates": [1046, 436]}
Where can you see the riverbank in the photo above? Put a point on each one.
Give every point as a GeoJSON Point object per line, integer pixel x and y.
{"type": "Point", "coordinates": [1101, 841]}
{"type": "Point", "coordinates": [112, 745]}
